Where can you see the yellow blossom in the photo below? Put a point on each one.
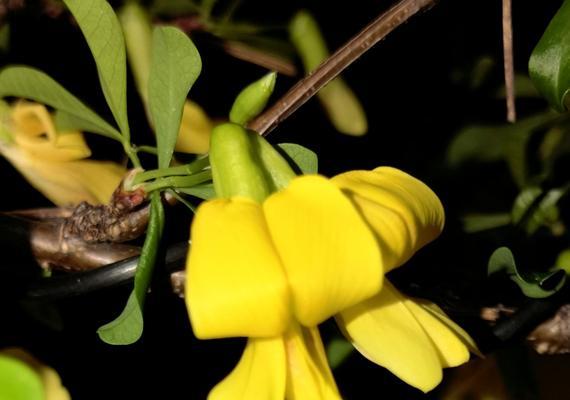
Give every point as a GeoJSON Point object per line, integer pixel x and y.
{"type": "Point", "coordinates": [318, 248]}
{"type": "Point", "coordinates": [195, 129]}
{"type": "Point", "coordinates": [55, 162]}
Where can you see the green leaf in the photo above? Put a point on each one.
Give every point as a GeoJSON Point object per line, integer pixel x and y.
{"type": "Point", "coordinates": [533, 284]}
{"type": "Point", "coordinates": [524, 201]}
{"type": "Point", "coordinates": [103, 33]}
{"type": "Point", "coordinates": [175, 66]}
{"type": "Point", "coordinates": [203, 191]}
{"type": "Point", "coordinates": [488, 143]}
{"type": "Point", "coordinates": [277, 169]}
{"type": "Point", "coordinates": [252, 100]}
{"type": "Point", "coordinates": [534, 208]}
{"type": "Point", "coordinates": [549, 63]}
{"type": "Point", "coordinates": [33, 84]}
{"type": "Point", "coordinates": [304, 159]}
{"type": "Point", "coordinates": [338, 351]}
{"type": "Point", "coordinates": [18, 381]}
{"type": "Point", "coordinates": [339, 101]}
{"type": "Point", "coordinates": [546, 212]}
{"type": "Point", "coordinates": [482, 222]}
{"type": "Point", "coordinates": [65, 121]}
{"type": "Point", "coordinates": [127, 328]}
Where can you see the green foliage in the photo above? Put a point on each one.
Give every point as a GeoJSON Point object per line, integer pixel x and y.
{"type": "Point", "coordinates": [549, 64]}
{"type": "Point", "coordinates": [137, 29]}
{"type": "Point", "coordinates": [18, 381]}
{"type": "Point", "coordinates": [304, 159]}
{"type": "Point", "coordinates": [338, 351]}
{"type": "Point", "coordinates": [32, 84]}
{"type": "Point", "coordinates": [252, 100]}
{"type": "Point", "coordinates": [235, 164]}
{"type": "Point", "coordinates": [535, 207]}
{"type": "Point", "coordinates": [127, 328]}
{"type": "Point", "coordinates": [104, 36]}
{"type": "Point", "coordinates": [507, 142]}
{"type": "Point", "coordinates": [175, 66]}
{"type": "Point", "coordinates": [480, 222]}
{"type": "Point", "coordinates": [204, 191]}
{"type": "Point", "coordinates": [532, 284]}
{"type": "Point", "coordinates": [339, 101]}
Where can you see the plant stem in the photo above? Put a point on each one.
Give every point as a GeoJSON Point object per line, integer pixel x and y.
{"type": "Point", "coordinates": [132, 154]}
{"type": "Point", "coordinates": [178, 181]}
{"type": "Point", "coordinates": [334, 65]}
{"type": "Point", "coordinates": [508, 60]}
{"type": "Point", "coordinates": [186, 169]}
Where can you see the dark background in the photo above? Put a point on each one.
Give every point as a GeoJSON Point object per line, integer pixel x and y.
{"type": "Point", "coordinates": [414, 86]}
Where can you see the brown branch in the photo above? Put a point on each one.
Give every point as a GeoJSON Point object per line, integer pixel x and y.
{"type": "Point", "coordinates": [335, 64]}
{"type": "Point", "coordinates": [508, 60]}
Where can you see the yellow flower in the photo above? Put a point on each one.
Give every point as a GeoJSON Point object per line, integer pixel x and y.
{"type": "Point", "coordinates": [413, 339]}
{"type": "Point", "coordinates": [195, 128]}
{"type": "Point", "coordinates": [273, 271]}
{"type": "Point", "coordinates": [55, 162]}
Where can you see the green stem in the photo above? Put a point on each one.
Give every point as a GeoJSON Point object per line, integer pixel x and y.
{"type": "Point", "coordinates": [178, 181]}
{"type": "Point", "coordinates": [147, 149]}
{"type": "Point", "coordinates": [132, 154]}
{"type": "Point", "coordinates": [186, 169]}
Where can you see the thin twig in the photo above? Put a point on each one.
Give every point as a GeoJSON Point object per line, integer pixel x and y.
{"type": "Point", "coordinates": [335, 64]}
{"type": "Point", "coordinates": [508, 60]}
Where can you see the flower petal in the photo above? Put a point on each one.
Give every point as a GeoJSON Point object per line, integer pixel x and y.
{"type": "Point", "coordinates": [34, 131]}
{"type": "Point", "coordinates": [235, 282]}
{"type": "Point", "coordinates": [403, 212]}
{"type": "Point", "coordinates": [308, 374]}
{"type": "Point", "coordinates": [450, 348]}
{"type": "Point", "coordinates": [329, 254]}
{"type": "Point", "coordinates": [385, 331]}
{"type": "Point", "coordinates": [67, 183]}
{"type": "Point", "coordinates": [437, 313]}
{"type": "Point", "coordinates": [260, 373]}
{"type": "Point", "coordinates": [195, 129]}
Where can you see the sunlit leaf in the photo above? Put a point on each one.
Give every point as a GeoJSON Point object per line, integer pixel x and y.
{"type": "Point", "coordinates": [175, 67]}
{"type": "Point", "coordinates": [33, 84]}
{"type": "Point", "coordinates": [532, 284]}
{"type": "Point", "coordinates": [549, 63]}
{"type": "Point", "coordinates": [104, 36]}
{"type": "Point", "coordinates": [127, 328]}
{"type": "Point", "coordinates": [304, 159]}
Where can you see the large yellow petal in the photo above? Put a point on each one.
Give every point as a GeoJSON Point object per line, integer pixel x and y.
{"type": "Point", "coordinates": [403, 212]}
{"type": "Point", "coordinates": [34, 132]}
{"type": "Point", "coordinates": [67, 183]}
{"type": "Point", "coordinates": [308, 374]}
{"type": "Point", "coordinates": [259, 375]}
{"type": "Point", "coordinates": [195, 129]}
{"type": "Point", "coordinates": [449, 346]}
{"type": "Point", "coordinates": [437, 313]}
{"type": "Point", "coordinates": [384, 330]}
{"type": "Point", "coordinates": [235, 284]}
{"type": "Point", "coordinates": [329, 254]}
